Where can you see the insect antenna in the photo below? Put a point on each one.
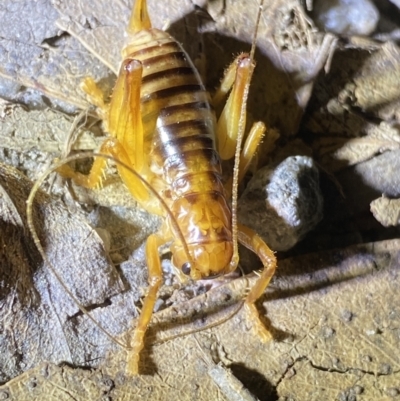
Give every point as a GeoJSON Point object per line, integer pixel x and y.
{"type": "Point", "coordinates": [254, 41]}
{"type": "Point", "coordinates": [242, 127]}
{"type": "Point", "coordinates": [41, 250]}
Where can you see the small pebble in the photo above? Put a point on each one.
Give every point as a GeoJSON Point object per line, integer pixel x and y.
{"type": "Point", "coordinates": [346, 17]}
{"type": "Point", "coordinates": [346, 315]}
{"type": "Point", "coordinates": [392, 392]}
{"type": "Point", "coordinates": [327, 332]}
{"type": "Point", "coordinates": [358, 390]}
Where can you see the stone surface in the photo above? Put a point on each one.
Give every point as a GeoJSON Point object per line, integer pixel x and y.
{"type": "Point", "coordinates": [346, 17]}
{"type": "Point", "coordinates": [283, 203]}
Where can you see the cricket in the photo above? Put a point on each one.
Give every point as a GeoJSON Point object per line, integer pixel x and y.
{"type": "Point", "coordinates": [169, 146]}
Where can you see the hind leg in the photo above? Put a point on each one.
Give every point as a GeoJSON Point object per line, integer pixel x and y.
{"type": "Point", "coordinates": [123, 120]}
{"type": "Point", "coordinates": [140, 19]}
{"type": "Point", "coordinates": [247, 154]}
{"type": "Point", "coordinates": [232, 121]}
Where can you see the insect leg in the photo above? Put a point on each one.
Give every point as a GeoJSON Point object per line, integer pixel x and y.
{"type": "Point", "coordinates": [95, 94]}
{"type": "Point", "coordinates": [232, 119]}
{"type": "Point", "coordinates": [155, 280]}
{"type": "Point", "coordinates": [252, 241]}
{"type": "Point", "coordinates": [226, 84]}
{"type": "Point", "coordinates": [250, 147]}
{"type": "Point", "coordinates": [111, 147]}
{"type": "Point", "coordinates": [88, 181]}
{"type": "Point", "coordinates": [88, 85]}
{"type": "Point", "coordinates": [124, 124]}
{"type": "Point", "coordinates": [124, 118]}
{"type": "Point", "coordinates": [140, 19]}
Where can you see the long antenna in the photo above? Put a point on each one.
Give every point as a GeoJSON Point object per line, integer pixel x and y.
{"type": "Point", "coordinates": [253, 44]}
{"type": "Point", "coordinates": [239, 140]}
{"type": "Point", "coordinates": [39, 246]}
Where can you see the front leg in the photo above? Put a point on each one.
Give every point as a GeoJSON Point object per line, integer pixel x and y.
{"type": "Point", "coordinates": [155, 280]}
{"type": "Point", "coordinates": [252, 241]}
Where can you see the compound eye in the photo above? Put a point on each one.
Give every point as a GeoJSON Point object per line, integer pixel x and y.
{"type": "Point", "coordinates": [186, 268]}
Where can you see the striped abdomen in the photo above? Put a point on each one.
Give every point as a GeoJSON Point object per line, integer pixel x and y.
{"type": "Point", "coordinates": [179, 128]}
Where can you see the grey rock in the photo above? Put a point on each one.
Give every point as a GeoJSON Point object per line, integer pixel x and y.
{"type": "Point", "coordinates": [283, 203]}
{"type": "Point", "coordinates": [346, 17]}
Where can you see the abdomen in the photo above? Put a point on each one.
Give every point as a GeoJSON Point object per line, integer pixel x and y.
{"type": "Point", "coordinates": [179, 126]}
